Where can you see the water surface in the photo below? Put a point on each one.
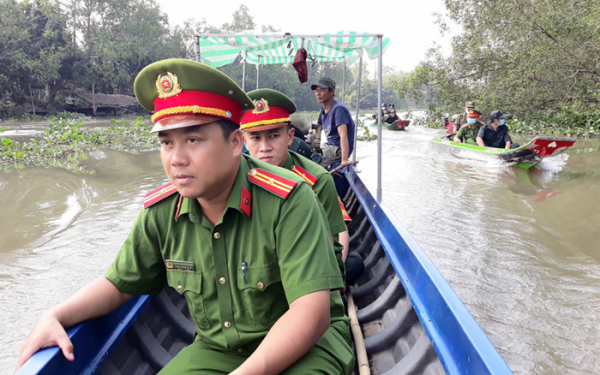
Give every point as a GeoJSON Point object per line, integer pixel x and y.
{"type": "Point", "coordinates": [520, 248]}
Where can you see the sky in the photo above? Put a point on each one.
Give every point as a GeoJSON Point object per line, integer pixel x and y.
{"type": "Point", "coordinates": [409, 24]}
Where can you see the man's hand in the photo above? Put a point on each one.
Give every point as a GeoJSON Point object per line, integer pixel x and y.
{"type": "Point", "coordinates": [47, 332]}
{"type": "Point", "coordinates": [457, 140]}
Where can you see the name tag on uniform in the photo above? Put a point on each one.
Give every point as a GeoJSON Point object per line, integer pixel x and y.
{"type": "Point", "coordinates": [180, 266]}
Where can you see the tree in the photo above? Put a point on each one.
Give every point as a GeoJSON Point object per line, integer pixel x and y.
{"type": "Point", "coordinates": [537, 59]}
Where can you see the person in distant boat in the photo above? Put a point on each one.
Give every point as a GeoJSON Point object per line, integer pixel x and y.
{"type": "Point", "coordinates": [268, 134]}
{"type": "Point", "coordinates": [392, 117]}
{"type": "Point", "coordinates": [337, 123]}
{"type": "Point", "coordinates": [496, 133]}
{"type": "Point", "coordinates": [463, 117]}
{"type": "Point", "coordinates": [245, 243]}
{"type": "Point", "coordinates": [468, 132]}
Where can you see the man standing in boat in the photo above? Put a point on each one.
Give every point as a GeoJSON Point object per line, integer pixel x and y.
{"type": "Point", "coordinates": [337, 123]}
{"type": "Point", "coordinates": [243, 241]}
{"type": "Point", "coordinates": [496, 133]}
{"type": "Point", "coordinates": [463, 117]}
{"type": "Point", "coordinates": [468, 132]}
{"type": "Point", "coordinates": [267, 134]}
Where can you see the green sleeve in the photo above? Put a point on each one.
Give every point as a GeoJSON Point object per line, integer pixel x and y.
{"type": "Point", "coordinates": [325, 190]}
{"type": "Point", "coordinates": [461, 133]}
{"type": "Point", "coordinates": [139, 267]}
{"type": "Point", "coordinates": [304, 247]}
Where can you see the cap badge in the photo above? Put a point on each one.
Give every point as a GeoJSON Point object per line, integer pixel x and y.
{"type": "Point", "coordinates": [167, 85]}
{"type": "Point", "coordinates": [261, 105]}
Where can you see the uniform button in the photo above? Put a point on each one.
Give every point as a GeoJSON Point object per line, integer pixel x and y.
{"type": "Point", "coordinates": [222, 280]}
{"type": "Point", "coordinates": [179, 288]}
{"type": "Point", "coordinates": [227, 324]}
{"type": "Point", "coordinates": [240, 350]}
{"type": "Point", "coordinates": [217, 235]}
{"type": "Point", "coordinates": [260, 285]}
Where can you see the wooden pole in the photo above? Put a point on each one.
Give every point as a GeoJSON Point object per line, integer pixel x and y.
{"type": "Point", "coordinates": [359, 342]}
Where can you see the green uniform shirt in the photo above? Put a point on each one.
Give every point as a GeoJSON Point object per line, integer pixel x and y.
{"type": "Point", "coordinates": [245, 270]}
{"type": "Point", "coordinates": [324, 188]}
{"type": "Point", "coordinates": [468, 134]}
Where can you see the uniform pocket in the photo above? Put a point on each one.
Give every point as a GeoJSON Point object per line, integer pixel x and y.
{"type": "Point", "coordinates": [190, 286]}
{"type": "Point", "coordinates": [262, 293]}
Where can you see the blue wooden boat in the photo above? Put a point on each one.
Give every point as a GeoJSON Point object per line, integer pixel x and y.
{"type": "Point", "coordinates": [411, 319]}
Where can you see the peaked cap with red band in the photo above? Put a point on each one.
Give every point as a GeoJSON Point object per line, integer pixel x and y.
{"type": "Point", "coordinates": [474, 114]}
{"type": "Point", "coordinates": [185, 93]}
{"type": "Point", "coordinates": [273, 110]}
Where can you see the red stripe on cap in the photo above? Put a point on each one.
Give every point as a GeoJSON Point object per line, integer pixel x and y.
{"type": "Point", "coordinates": [201, 99]}
{"type": "Point", "coordinates": [273, 113]}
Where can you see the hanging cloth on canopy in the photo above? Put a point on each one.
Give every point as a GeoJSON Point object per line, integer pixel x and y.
{"type": "Point", "coordinates": [300, 65]}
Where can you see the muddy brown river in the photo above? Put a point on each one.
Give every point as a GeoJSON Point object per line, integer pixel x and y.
{"type": "Point", "coordinates": [520, 248]}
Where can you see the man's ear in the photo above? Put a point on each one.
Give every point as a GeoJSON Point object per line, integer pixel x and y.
{"type": "Point", "coordinates": [237, 141]}
{"type": "Point", "coordinates": [291, 133]}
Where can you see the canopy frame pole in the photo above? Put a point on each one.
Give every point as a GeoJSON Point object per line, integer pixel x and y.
{"type": "Point", "coordinates": [357, 109]}
{"type": "Point", "coordinates": [344, 83]}
{"type": "Point", "coordinates": [257, 71]}
{"type": "Point", "coordinates": [197, 47]}
{"type": "Point", "coordinates": [379, 115]}
{"type": "Point", "coordinates": [244, 75]}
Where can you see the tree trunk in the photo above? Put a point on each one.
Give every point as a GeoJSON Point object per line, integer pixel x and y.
{"type": "Point", "coordinates": [31, 96]}
{"type": "Point", "coordinates": [94, 99]}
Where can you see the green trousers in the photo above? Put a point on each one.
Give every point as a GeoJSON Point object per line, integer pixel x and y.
{"type": "Point", "coordinates": [332, 355]}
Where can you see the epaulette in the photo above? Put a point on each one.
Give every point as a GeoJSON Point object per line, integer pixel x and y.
{"type": "Point", "coordinates": [159, 194]}
{"type": "Point", "coordinates": [347, 217]}
{"type": "Point", "coordinates": [312, 180]}
{"type": "Point", "coordinates": [277, 185]}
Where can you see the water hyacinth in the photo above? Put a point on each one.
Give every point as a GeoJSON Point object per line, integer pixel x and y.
{"type": "Point", "coordinates": [66, 143]}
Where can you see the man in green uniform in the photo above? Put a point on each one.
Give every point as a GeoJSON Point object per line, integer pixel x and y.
{"type": "Point", "coordinates": [462, 118]}
{"type": "Point", "coordinates": [267, 134]}
{"type": "Point", "coordinates": [468, 132]}
{"type": "Point", "coordinates": [244, 242]}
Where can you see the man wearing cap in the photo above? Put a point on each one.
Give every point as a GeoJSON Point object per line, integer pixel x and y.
{"type": "Point", "coordinates": [243, 241]}
{"type": "Point", "coordinates": [468, 132]}
{"type": "Point", "coordinates": [463, 118]}
{"type": "Point", "coordinates": [337, 123]}
{"type": "Point", "coordinates": [268, 134]}
{"type": "Point", "coordinates": [496, 133]}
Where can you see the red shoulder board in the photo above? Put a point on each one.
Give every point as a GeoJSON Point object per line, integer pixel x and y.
{"type": "Point", "coordinates": [347, 217]}
{"type": "Point", "coordinates": [159, 194]}
{"type": "Point", "coordinates": [277, 185]}
{"type": "Point", "coordinates": [312, 180]}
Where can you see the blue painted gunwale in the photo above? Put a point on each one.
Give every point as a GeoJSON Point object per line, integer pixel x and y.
{"type": "Point", "coordinates": [461, 344]}
{"type": "Point", "coordinates": [92, 341]}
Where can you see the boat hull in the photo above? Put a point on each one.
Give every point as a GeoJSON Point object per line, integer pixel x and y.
{"type": "Point", "coordinates": [526, 156]}
{"type": "Point", "coordinates": [412, 321]}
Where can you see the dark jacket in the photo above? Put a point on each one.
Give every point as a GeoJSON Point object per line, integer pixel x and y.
{"type": "Point", "coordinates": [494, 138]}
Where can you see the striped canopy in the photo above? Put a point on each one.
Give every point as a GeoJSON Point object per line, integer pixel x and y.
{"type": "Point", "coordinates": [219, 51]}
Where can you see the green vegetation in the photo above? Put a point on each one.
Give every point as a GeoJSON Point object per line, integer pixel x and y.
{"type": "Point", "coordinates": [66, 144]}
{"type": "Point", "coordinates": [537, 60]}
{"type": "Point", "coordinates": [366, 136]}
{"type": "Point", "coordinates": [51, 50]}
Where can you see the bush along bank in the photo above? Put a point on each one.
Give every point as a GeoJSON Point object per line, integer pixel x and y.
{"type": "Point", "coordinates": [65, 144]}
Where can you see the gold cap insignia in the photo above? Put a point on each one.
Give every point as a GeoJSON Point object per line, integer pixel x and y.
{"type": "Point", "coordinates": [261, 105]}
{"type": "Point", "coordinates": [167, 85]}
